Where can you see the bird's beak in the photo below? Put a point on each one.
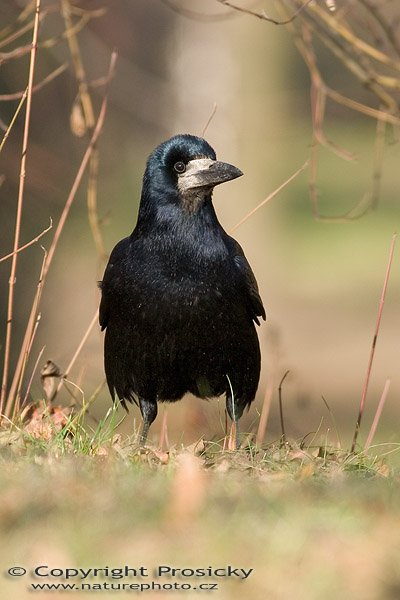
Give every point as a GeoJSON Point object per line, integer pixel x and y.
{"type": "Point", "coordinates": [205, 172]}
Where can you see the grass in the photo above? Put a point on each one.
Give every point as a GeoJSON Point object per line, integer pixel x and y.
{"type": "Point", "coordinates": [311, 520]}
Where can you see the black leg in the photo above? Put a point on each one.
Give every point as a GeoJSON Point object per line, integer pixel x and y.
{"type": "Point", "coordinates": [148, 409]}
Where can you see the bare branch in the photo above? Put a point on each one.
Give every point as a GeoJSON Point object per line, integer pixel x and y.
{"type": "Point", "coordinates": [373, 346]}
{"type": "Point", "coordinates": [85, 160]}
{"type": "Point", "coordinates": [271, 195]}
{"type": "Point", "coordinates": [210, 118]}
{"type": "Point", "coordinates": [263, 15]}
{"type": "Point", "coordinates": [13, 273]}
{"type": "Point", "coordinates": [38, 86]}
{"type": "Point", "coordinates": [33, 241]}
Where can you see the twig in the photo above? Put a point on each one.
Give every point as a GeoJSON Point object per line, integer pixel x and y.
{"type": "Point", "coordinates": [197, 16]}
{"type": "Point", "coordinates": [87, 106]}
{"type": "Point", "coordinates": [27, 343]}
{"type": "Point", "coordinates": [7, 346]}
{"type": "Point", "coordinates": [16, 34]}
{"type": "Point", "coordinates": [89, 150]}
{"type": "Point", "coordinates": [262, 15]}
{"type": "Point", "coordinates": [210, 118]}
{"type": "Point", "coordinates": [84, 95]}
{"type": "Point", "coordinates": [270, 197]}
{"type": "Point", "coordinates": [283, 438]}
{"type": "Point", "coordinates": [38, 86]}
{"type": "Point", "coordinates": [51, 42]}
{"type": "Point", "coordinates": [362, 108]}
{"type": "Point", "coordinates": [23, 15]}
{"type": "Point", "coordinates": [164, 441]}
{"type": "Point", "coordinates": [372, 352]}
{"type": "Point", "coordinates": [262, 425]}
{"type": "Point", "coordinates": [28, 388]}
{"type": "Point", "coordinates": [378, 162]}
{"type": "Point", "coordinates": [377, 415]}
{"type": "Point", "coordinates": [31, 321]}
{"type": "Point", "coordinates": [92, 208]}
{"type": "Point", "coordinates": [340, 30]}
{"type": "Point", "coordinates": [33, 241]}
{"type": "Point", "coordinates": [79, 348]}
{"type": "Point", "coordinates": [8, 130]}
{"type": "Point", "coordinates": [333, 421]}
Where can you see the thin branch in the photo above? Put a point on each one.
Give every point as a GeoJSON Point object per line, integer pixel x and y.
{"type": "Point", "coordinates": [28, 388]}
{"type": "Point", "coordinates": [38, 86]}
{"type": "Point", "coordinates": [89, 150]}
{"type": "Point", "coordinates": [210, 118]}
{"type": "Point", "coordinates": [80, 74]}
{"type": "Point", "coordinates": [16, 34]}
{"type": "Point", "coordinates": [281, 407]}
{"type": "Point", "coordinates": [51, 42]}
{"type": "Point", "coordinates": [85, 160]}
{"type": "Point", "coordinates": [87, 106]}
{"type": "Point", "coordinates": [372, 352]}
{"type": "Point", "coordinates": [262, 425]}
{"type": "Point", "coordinates": [8, 130]}
{"type": "Point", "coordinates": [197, 16]}
{"type": "Point", "coordinates": [13, 396]}
{"type": "Point", "coordinates": [377, 415]}
{"type": "Point", "coordinates": [79, 348]}
{"type": "Point", "coordinates": [270, 197]}
{"type": "Point", "coordinates": [10, 307]}
{"type": "Point", "coordinates": [263, 15]}
{"type": "Point", "coordinates": [354, 41]}
{"type": "Point", "coordinates": [33, 241]}
{"type": "Point", "coordinates": [23, 15]}
{"type": "Point", "coordinates": [378, 162]}
{"type": "Point", "coordinates": [333, 421]}
{"type": "Point", "coordinates": [362, 108]}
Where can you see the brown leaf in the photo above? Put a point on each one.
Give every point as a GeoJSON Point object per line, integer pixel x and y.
{"type": "Point", "coordinates": [49, 376]}
{"type": "Point", "coordinates": [45, 423]}
{"type": "Point", "coordinates": [77, 119]}
{"type": "Point", "coordinates": [306, 471]}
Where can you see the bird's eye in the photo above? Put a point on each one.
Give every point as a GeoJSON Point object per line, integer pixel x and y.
{"type": "Point", "coordinates": [180, 167]}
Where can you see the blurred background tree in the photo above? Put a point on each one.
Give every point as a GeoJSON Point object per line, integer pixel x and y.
{"type": "Point", "coordinates": [323, 86]}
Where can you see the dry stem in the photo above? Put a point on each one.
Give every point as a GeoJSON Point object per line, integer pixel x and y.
{"type": "Point", "coordinates": [32, 317]}
{"type": "Point", "coordinates": [20, 203]}
{"type": "Point", "coordinates": [372, 352]}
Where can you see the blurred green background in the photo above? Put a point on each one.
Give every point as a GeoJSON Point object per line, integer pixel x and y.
{"type": "Point", "coordinates": [320, 281]}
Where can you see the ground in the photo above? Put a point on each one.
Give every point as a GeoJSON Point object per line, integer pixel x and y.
{"type": "Point", "coordinates": [311, 522]}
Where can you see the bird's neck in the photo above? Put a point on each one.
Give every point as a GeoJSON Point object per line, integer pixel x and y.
{"type": "Point", "coordinates": [174, 229]}
{"type": "Point", "coordinates": [173, 216]}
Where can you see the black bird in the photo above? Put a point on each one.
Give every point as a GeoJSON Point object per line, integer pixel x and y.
{"type": "Point", "coordinates": [179, 299]}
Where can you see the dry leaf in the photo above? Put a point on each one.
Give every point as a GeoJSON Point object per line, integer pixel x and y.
{"type": "Point", "coordinates": [45, 423]}
{"type": "Point", "coordinates": [49, 376]}
{"type": "Point", "coordinates": [77, 119]}
{"type": "Point", "coordinates": [384, 470]}
{"type": "Point", "coordinates": [306, 472]}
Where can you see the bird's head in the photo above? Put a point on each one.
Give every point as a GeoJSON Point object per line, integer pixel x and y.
{"type": "Point", "coordinates": [184, 170]}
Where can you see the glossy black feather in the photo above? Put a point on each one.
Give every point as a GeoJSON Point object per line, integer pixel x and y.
{"type": "Point", "coordinates": [179, 299]}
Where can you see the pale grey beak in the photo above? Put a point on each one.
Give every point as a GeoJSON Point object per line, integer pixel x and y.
{"type": "Point", "coordinates": [205, 172]}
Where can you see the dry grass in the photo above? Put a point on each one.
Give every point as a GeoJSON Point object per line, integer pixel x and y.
{"type": "Point", "coordinates": [312, 521]}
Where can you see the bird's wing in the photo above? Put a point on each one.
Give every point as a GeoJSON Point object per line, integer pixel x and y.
{"type": "Point", "coordinates": [248, 280]}
{"type": "Point", "coordinates": [110, 279]}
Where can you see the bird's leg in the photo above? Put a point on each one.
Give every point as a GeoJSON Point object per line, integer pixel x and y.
{"type": "Point", "coordinates": [234, 436]}
{"type": "Point", "coordinates": [148, 408]}
{"type": "Point", "coordinates": [235, 411]}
